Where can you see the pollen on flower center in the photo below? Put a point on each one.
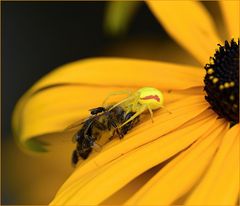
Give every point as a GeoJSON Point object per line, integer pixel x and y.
{"type": "Point", "coordinates": [222, 81]}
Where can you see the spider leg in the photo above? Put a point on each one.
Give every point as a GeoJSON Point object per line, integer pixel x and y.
{"type": "Point", "coordinates": [166, 109]}
{"type": "Point", "coordinates": [116, 93]}
{"type": "Point", "coordinates": [150, 111]}
{"type": "Point", "coordinates": [140, 111]}
{"type": "Point", "coordinates": [124, 100]}
{"type": "Point", "coordinates": [134, 104]}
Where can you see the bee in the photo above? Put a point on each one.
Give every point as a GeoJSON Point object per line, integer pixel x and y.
{"type": "Point", "coordinates": [99, 128]}
{"type": "Point", "coordinates": [106, 121]}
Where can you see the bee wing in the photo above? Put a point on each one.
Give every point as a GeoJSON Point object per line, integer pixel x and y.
{"type": "Point", "coordinates": [74, 126]}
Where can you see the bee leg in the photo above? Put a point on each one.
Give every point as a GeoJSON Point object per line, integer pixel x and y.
{"type": "Point", "coordinates": [113, 124]}
{"type": "Point", "coordinates": [97, 147]}
{"type": "Point", "coordinates": [90, 140]}
{"type": "Point", "coordinates": [110, 138]}
{"type": "Point", "coordinates": [99, 125]}
{"type": "Point", "coordinates": [119, 133]}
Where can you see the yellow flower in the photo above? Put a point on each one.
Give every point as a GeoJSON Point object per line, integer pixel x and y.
{"type": "Point", "coordinates": [190, 156]}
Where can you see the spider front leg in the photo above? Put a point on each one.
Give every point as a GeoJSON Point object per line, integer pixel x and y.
{"type": "Point", "coordinates": [116, 93]}
{"type": "Point", "coordinates": [141, 109]}
{"type": "Point", "coordinates": [133, 106]}
{"type": "Point", "coordinates": [147, 107]}
{"type": "Point", "coordinates": [126, 101]}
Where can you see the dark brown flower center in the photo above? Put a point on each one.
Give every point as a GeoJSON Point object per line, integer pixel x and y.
{"type": "Point", "coordinates": [222, 81]}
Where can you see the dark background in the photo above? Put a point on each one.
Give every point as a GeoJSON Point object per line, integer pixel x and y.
{"type": "Point", "coordinates": [40, 36]}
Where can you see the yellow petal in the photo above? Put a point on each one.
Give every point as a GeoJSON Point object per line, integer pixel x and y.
{"type": "Point", "coordinates": [179, 176]}
{"type": "Point", "coordinates": [231, 13]}
{"type": "Point", "coordinates": [175, 95]}
{"type": "Point", "coordinates": [220, 185]}
{"type": "Point", "coordinates": [68, 92]}
{"type": "Point", "coordinates": [190, 24]}
{"type": "Point", "coordinates": [81, 189]}
{"type": "Point", "coordinates": [123, 72]}
{"type": "Point", "coordinates": [129, 190]}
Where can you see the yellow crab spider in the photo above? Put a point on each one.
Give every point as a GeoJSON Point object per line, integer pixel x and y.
{"type": "Point", "coordinates": [146, 98]}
